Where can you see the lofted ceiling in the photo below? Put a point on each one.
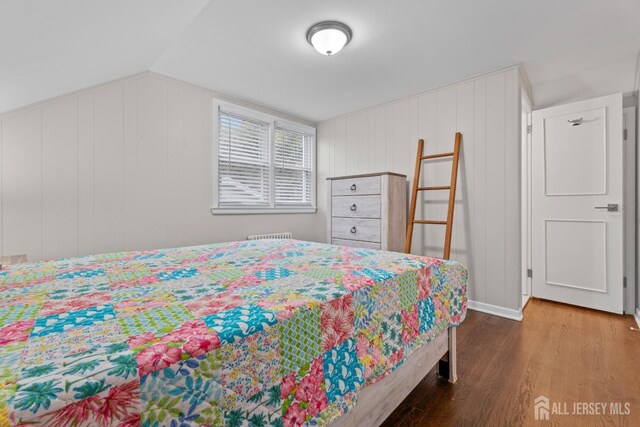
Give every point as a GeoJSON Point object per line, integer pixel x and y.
{"type": "Point", "coordinates": [256, 50]}
{"type": "Point", "coordinates": [52, 47]}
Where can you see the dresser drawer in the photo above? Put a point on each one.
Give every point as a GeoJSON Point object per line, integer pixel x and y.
{"type": "Point", "coordinates": [355, 244]}
{"type": "Point", "coordinates": [355, 206]}
{"type": "Point", "coordinates": [367, 230]}
{"type": "Point", "coordinates": [356, 186]}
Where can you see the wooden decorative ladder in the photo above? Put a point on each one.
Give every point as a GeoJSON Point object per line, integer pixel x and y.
{"type": "Point", "coordinates": [452, 194]}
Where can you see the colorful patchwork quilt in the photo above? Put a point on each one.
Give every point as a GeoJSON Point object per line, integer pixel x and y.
{"type": "Point", "coordinates": [258, 333]}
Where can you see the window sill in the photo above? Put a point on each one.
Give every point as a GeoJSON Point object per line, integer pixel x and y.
{"type": "Point", "coordinates": [261, 211]}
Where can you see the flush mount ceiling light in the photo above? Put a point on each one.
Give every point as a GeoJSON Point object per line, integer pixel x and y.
{"type": "Point", "coordinates": [329, 37]}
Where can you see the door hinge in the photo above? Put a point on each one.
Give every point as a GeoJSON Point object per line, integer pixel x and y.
{"type": "Point", "coordinates": [529, 273]}
{"type": "Point", "coordinates": [624, 134]}
{"type": "Point", "coordinates": [624, 282]}
{"type": "Point", "coordinates": [530, 129]}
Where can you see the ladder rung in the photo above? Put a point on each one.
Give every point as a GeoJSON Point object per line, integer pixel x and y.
{"type": "Point", "coordinates": [436, 156]}
{"type": "Point", "coordinates": [438, 187]}
{"type": "Point", "coordinates": [426, 221]}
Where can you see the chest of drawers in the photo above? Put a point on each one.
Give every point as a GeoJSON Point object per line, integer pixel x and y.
{"type": "Point", "coordinates": [11, 260]}
{"type": "Point", "coordinates": [368, 211]}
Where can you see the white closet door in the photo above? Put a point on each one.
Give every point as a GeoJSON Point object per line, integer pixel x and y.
{"type": "Point", "coordinates": [577, 197]}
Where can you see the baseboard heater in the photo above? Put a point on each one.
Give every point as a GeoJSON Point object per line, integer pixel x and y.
{"type": "Point", "coordinates": [284, 235]}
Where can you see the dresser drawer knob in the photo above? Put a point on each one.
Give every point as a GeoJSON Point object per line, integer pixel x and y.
{"type": "Point", "coordinates": [353, 207]}
{"type": "Point", "coordinates": [353, 229]}
{"type": "Point", "coordinates": [353, 187]}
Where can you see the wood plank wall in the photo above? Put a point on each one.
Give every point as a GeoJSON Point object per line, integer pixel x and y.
{"type": "Point", "coordinates": [487, 219]}
{"type": "Point", "coordinates": [122, 166]}
{"type": "Point", "coordinates": [127, 166]}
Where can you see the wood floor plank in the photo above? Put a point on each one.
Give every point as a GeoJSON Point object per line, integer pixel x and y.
{"type": "Point", "coordinates": [568, 354]}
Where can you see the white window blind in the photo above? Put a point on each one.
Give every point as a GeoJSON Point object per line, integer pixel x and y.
{"type": "Point", "coordinates": [243, 161]}
{"type": "Point", "coordinates": [293, 167]}
{"type": "Point", "coordinates": [262, 164]}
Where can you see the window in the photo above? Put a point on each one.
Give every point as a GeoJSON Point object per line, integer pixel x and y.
{"type": "Point", "coordinates": [293, 167]}
{"type": "Point", "coordinates": [262, 164]}
{"type": "Point", "coordinates": [243, 161]}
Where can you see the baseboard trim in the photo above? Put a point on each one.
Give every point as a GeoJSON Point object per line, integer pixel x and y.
{"type": "Point", "coordinates": [507, 313]}
{"type": "Point", "coordinates": [637, 316]}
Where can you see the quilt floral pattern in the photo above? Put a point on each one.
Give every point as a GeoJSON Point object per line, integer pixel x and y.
{"type": "Point", "coordinates": [258, 333]}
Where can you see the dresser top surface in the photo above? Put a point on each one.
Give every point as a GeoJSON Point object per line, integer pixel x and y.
{"type": "Point", "coordinates": [365, 175]}
{"type": "Point", "coordinates": [12, 259]}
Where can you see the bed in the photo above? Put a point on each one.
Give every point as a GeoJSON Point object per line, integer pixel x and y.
{"type": "Point", "coordinates": [260, 333]}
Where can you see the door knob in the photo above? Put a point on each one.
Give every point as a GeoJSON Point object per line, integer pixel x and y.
{"type": "Point", "coordinates": [353, 207]}
{"type": "Point", "coordinates": [353, 230]}
{"type": "Point", "coordinates": [611, 207]}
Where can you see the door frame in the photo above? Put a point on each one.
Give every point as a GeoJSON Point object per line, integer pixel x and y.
{"type": "Point", "coordinates": [630, 206]}
{"type": "Point", "coordinates": [631, 179]}
{"type": "Point", "coordinates": [525, 197]}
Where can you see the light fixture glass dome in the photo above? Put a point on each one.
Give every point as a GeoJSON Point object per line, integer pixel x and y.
{"type": "Point", "coordinates": [329, 37]}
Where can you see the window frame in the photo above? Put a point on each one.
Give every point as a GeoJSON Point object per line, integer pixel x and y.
{"type": "Point", "coordinates": [273, 121]}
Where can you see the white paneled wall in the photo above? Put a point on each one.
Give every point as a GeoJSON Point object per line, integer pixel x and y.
{"type": "Point", "coordinates": [487, 219]}
{"type": "Point", "coordinates": [127, 166]}
{"type": "Point", "coordinates": [122, 166]}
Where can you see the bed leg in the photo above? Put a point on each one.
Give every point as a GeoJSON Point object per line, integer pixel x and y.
{"type": "Point", "coordinates": [447, 365]}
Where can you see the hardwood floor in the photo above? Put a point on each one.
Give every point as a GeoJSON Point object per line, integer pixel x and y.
{"type": "Point", "coordinates": [565, 353]}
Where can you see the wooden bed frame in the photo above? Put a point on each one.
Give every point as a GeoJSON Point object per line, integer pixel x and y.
{"type": "Point", "coordinates": [377, 401]}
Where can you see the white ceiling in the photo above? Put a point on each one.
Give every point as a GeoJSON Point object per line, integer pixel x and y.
{"type": "Point", "coordinates": [52, 47]}
{"type": "Point", "coordinates": [256, 50]}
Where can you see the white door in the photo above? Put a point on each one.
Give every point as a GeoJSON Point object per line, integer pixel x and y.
{"type": "Point", "coordinates": [577, 195]}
